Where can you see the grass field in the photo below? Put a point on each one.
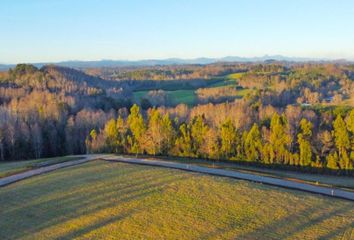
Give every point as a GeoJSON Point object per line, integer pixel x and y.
{"type": "Point", "coordinates": [228, 80]}
{"type": "Point", "coordinates": [182, 96]}
{"type": "Point", "coordinates": [225, 82]}
{"type": "Point", "coordinates": [188, 96]}
{"type": "Point", "coordinates": [106, 200]}
{"type": "Point", "coordinates": [176, 97]}
{"type": "Point", "coordinates": [13, 167]}
{"type": "Point", "coordinates": [345, 182]}
{"type": "Point", "coordinates": [235, 75]}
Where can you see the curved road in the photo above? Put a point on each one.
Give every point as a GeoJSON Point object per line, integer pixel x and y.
{"type": "Point", "coordinates": [20, 176]}
{"type": "Point", "coordinates": [332, 192]}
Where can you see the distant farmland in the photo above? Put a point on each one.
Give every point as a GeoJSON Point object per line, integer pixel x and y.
{"type": "Point", "coordinates": [115, 200]}
{"type": "Point", "coordinates": [175, 95]}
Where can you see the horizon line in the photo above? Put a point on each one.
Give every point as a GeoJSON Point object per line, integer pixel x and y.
{"type": "Point", "coordinates": [299, 59]}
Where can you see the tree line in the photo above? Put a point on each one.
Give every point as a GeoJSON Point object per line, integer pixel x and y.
{"type": "Point", "coordinates": [269, 142]}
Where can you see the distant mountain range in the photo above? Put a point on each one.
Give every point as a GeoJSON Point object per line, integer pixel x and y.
{"type": "Point", "coordinates": [168, 61]}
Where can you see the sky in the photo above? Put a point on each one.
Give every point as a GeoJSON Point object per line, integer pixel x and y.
{"type": "Point", "coordinates": [59, 30]}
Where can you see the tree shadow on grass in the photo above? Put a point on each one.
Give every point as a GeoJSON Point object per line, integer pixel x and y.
{"type": "Point", "coordinates": [101, 223]}
{"type": "Point", "coordinates": [80, 198]}
{"type": "Point", "coordinates": [289, 226]}
{"type": "Point", "coordinates": [346, 233]}
{"type": "Point", "coordinates": [114, 189]}
{"type": "Point", "coordinates": [65, 208]}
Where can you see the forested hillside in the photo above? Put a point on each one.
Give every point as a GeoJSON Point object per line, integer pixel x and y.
{"type": "Point", "coordinates": [276, 113]}
{"type": "Point", "coordinates": [49, 111]}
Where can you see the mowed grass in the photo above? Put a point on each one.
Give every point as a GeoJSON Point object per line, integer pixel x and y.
{"type": "Point", "coordinates": [187, 97]}
{"type": "Point", "coordinates": [108, 200]}
{"type": "Point", "coordinates": [12, 167]}
{"type": "Point", "coordinates": [346, 182]}
{"type": "Point", "coordinates": [228, 80]}
{"type": "Point", "coordinates": [175, 97]}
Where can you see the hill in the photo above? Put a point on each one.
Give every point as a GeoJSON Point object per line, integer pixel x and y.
{"type": "Point", "coordinates": [113, 200]}
{"type": "Point", "coordinates": [297, 116]}
{"type": "Point", "coordinates": [168, 61]}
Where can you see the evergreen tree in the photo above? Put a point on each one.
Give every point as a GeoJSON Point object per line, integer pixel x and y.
{"type": "Point", "coordinates": [137, 128]}
{"type": "Point", "coordinates": [198, 132]}
{"type": "Point", "coordinates": [228, 137]}
{"type": "Point", "coordinates": [342, 142]}
{"type": "Point", "coordinates": [253, 144]}
{"type": "Point", "coordinates": [350, 127]}
{"type": "Point", "coordinates": [303, 137]}
{"type": "Point", "coordinates": [168, 134]}
{"type": "Point", "coordinates": [183, 144]}
{"type": "Point", "coordinates": [279, 139]}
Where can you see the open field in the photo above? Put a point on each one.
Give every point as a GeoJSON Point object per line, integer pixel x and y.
{"type": "Point", "coordinates": [182, 96]}
{"type": "Point", "coordinates": [114, 200]}
{"type": "Point", "coordinates": [235, 75]}
{"type": "Point", "coordinates": [13, 167]}
{"type": "Point", "coordinates": [225, 82]}
{"type": "Point", "coordinates": [345, 182]}
{"type": "Point", "coordinates": [230, 79]}
{"type": "Point", "coordinates": [187, 97]}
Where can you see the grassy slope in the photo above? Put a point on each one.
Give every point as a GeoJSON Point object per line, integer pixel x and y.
{"type": "Point", "coordinates": [115, 200]}
{"type": "Point", "coordinates": [319, 179]}
{"type": "Point", "coordinates": [13, 167]}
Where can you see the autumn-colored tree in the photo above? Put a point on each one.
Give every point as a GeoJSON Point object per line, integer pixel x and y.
{"type": "Point", "coordinates": [333, 161]}
{"type": "Point", "coordinates": [122, 131]}
{"type": "Point", "coordinates": [268, 154]}
{"type": "Point", "coordinates": [211, 147]}
{"type": "Point", "coordinates": [111, 136]}
{"type": "Point", "coordinates": [327, 143]}
{"type": "Point", "coordinates": [95, 142]}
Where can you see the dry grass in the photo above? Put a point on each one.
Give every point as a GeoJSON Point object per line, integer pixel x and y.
{"type": "Point", "coordinates": [100, 200]}
{"type": "Point", "coordinates": [12, 167]}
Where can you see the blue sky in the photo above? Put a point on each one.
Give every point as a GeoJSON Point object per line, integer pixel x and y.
{"type": "Point", "coordinates": [49, 30]}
